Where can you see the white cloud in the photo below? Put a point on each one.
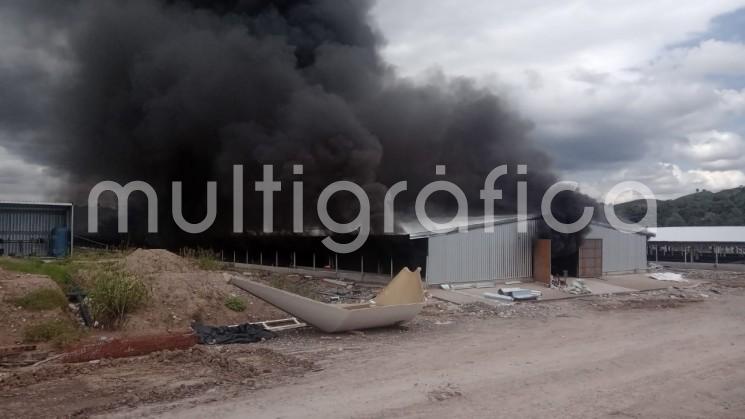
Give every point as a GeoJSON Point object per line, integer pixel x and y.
{"type": "Point", "coordinates": [22, 181]}
{"type": "Point", "coordinates": [714, 149]}
{"type": "Point", "coordinates": [609, 97]}
{"type": "Point", "coordinates": [709, 58]}
{"type": "Point", "coordinates": [667, 180]}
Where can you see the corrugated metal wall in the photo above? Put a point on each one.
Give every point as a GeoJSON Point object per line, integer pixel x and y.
{"type": "Point", "coordinates": [476, 255]}
{"type": "Point", "coordinates": [621, 251]}
{"type": "Point", "coordinates": [26, 230]}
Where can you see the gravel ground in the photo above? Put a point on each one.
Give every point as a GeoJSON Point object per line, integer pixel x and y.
{"type": "Point", "coordinates": [669, 353]}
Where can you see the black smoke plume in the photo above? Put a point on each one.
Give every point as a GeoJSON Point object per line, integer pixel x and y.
{"type": "Point", "coordinates": [162, 91]}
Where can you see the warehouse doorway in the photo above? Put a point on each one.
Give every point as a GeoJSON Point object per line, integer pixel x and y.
{"type": "Point", "coordinates": [590, 260]}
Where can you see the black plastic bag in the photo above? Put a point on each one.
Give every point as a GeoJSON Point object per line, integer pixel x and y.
{"type": "Point", "coordinates": [241, 333]}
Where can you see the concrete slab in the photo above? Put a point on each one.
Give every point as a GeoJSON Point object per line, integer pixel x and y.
{"type": "Point", "coordinates": [454, 297]}
{"type": "Point", "coordinates": [610, 285]}
{"type": "Point", "coordinates": [599, 286]}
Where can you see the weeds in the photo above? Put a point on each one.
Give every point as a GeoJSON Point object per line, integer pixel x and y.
{"type": "Point", "coordinates": [60, 332]}
{"type": "Point", "coordinates": [42, 299]}
{"type": "Point", "coordinates": [235, 303]}
{"type": "Point", "coordinates": [60, 271]}
{"type": "Point", "coordinates": [113, 294]}
{"type": "Point", "coordinates": [205, 259]}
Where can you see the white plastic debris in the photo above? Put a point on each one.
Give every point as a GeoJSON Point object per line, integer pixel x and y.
{"type": "Point", "coordinates": [668, 276]}
{"type": "Point", "coordinates": [578, 287]}
{"type": "Point", "coordinates": [500, 297]}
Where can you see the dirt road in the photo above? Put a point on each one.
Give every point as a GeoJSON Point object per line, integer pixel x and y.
{"type": "Point", "coordinates": [583, 361]}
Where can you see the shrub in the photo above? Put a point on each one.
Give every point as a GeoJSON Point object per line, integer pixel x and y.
{"type": "Point", "coordinates": [235, 303]}
{"type": "Point", "coordinates": [59, 332]}
{"type": "Point", "coordinates": [114, 294]}
{"type": "Point", "coordinates": [42, 299]}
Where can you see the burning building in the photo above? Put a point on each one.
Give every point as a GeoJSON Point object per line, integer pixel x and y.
{"type": "Point", "coordinates": [164, 91]}
{"type": "Point", "coordinates": [475, 255]}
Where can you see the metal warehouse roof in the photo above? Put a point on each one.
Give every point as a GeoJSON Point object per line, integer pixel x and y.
{"type": "Point", "coordinates": [469, 224]}
{"type": "Point", "coordinates": [40, 204]}
{"type": "Point", "coordinates": [477, 223]}
{"type": "Point", "coordinates": [698, 234]}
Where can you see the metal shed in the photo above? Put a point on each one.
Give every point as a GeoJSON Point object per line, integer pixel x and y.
{"type": "Point", "coordinates": [622, 251]}
{"type": "Point", "coordinates": [36, 229]}
{"type": "Point", "coordinates": [476, 255]}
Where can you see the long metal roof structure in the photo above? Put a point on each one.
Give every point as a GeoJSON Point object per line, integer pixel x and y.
{"type": "Point", "coordinates": [702, 234]}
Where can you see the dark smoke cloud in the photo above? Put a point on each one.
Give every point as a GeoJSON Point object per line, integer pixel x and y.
{"type": "Point", "coordinates": [181, 90]}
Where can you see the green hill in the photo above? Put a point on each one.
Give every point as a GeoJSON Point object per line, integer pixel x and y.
{"type": "Point", "coordinates": [704, 208]}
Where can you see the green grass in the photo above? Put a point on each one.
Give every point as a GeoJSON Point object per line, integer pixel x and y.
{"type": "Point", "coordinates": [235, 303]}
{"type": "Point", "coordinates": [60, 332]}
{"type": "Point", "coordinates": [113, 294]}
{"type": "Point", "coordinates": [42, 299]}
{"type": "Point", "coordinates": [60, 271]}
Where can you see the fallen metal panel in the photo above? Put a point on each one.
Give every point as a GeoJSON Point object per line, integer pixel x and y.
{"type": "Point", "coordinates": [333, 318]}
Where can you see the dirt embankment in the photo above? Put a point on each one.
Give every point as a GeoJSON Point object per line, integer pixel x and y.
{"type": "Point", "coordinates": [81, 390]}
{"type": "Point", "coordinates": [14, 319]}
{"type": "Point", "coordinates": [180, 293]}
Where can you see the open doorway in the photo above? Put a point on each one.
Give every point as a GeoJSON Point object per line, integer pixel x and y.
{"type": "Point", "coordinates": [585, 262]}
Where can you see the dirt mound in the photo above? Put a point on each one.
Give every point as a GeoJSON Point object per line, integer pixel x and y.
{"type": "Point", "coordinates": [155, 261]}
{"type": "Point", "coordinates": [180, 293]}
{"type": "Point", "coordinates": [177, 298]}
{"type": "Point", "coordinates": [15, 319]}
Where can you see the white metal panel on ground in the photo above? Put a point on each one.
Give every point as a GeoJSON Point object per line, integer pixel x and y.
{"type": "Point", "coordinates": [477, 255]}
{"type": "Point", "coordinates": [707, 234]}
{"type": "Point", "coordinates": [622, 251]}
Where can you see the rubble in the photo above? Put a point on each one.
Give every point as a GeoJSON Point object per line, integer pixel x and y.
{"type": "Point", "coordinates": [668, 276]}
{"type": "Point", "coordinates": [578, 287]}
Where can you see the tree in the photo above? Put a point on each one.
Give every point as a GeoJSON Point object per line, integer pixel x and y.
{"type": "Point", "coordinates": [675, 220]}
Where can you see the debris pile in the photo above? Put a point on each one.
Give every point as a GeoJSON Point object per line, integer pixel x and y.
{"type": "Point", "coordinates": [660, 299]}
{"type": "Point", "coordinates": [578, 287]}
{"type": "Point", "coordinates": [668, 276]}
{"type": "Point", "coordinates": [240, 333]}
{"type": "Point", "coordinates": [727, 279]}
{"type": "Point", "coordinates": [513, 294]}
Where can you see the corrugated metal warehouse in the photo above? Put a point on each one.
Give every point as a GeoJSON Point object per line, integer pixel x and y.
{"type": "Point", "coordinates": [476, 255]}
{"type": "Point", "coordinates": [36, 229]}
